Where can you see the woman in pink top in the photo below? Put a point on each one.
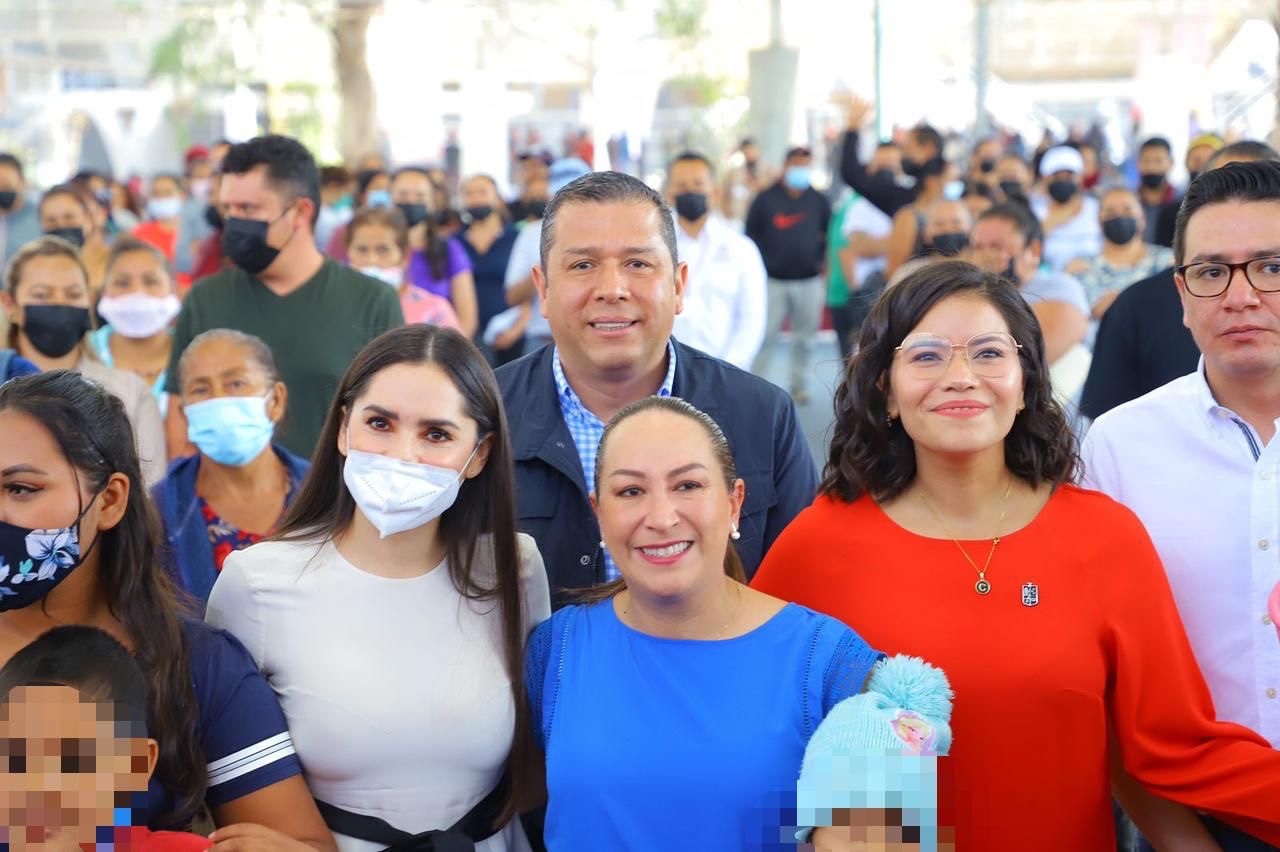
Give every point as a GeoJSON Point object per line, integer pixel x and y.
{"type": "Point", "coordinates": [378, 246]}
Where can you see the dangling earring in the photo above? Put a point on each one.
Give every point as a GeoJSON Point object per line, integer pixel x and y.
{"type": "Point", "coordinates": [735, 535]}
{"type": "Point", "coordinates": [888, 420]}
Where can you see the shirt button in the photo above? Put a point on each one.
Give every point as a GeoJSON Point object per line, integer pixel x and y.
{"type": "Point", "coordinates": [1263, 544]}
{"type": "Point", "coordinates": [585, 560]}
{"type": "Point", "coordinates": [560, 444]}
{"type": "Point", "coordinates": [1271, 693]}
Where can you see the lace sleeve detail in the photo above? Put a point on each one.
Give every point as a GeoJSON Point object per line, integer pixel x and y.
{"type": "Point", "coordinates": [848, 671]}
{"type": "Point", "coordinates": [537, 657]}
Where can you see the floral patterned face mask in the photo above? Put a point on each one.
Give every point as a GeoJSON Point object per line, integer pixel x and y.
{"type": "Point", "coordinates": [32, 562]}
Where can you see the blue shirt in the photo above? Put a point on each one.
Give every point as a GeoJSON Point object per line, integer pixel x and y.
{"type": "Point", "coordinates": [239, 724]}
{"type": "Point", "coordinates": [100, 340]}
{"type": "Point", "coordinates": [673, 744]}
{"type": "Point", "coordinates": [587, 429]}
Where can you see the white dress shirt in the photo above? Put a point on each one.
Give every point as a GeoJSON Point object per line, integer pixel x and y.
{"type": "Point", "coordinates": [725, 300]}
{"type": "Point", "coordinates": [1208, 492]}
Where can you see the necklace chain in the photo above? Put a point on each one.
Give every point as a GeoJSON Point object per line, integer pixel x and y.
{"type": "Point", "coordinates": [983, 586]}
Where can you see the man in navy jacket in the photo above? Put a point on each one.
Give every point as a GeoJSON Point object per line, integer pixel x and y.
{"type": "Point", "coordinates": [611, 286]}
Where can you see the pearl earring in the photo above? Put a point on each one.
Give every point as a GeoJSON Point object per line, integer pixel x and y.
{"type": "Point", "coordinates": [735, 535]}
{"type": "Point", "coordinates": [602, 547]}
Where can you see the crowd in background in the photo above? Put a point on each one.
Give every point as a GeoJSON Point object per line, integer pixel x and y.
{"type": "Point", "coordinates": [373, 512]}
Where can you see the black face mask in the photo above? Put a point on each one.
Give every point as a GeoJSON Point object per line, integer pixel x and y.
{"type": "Point", "coordinates": [1011, 189]}
{"type": "Point", "coordinates": [213, 217]}
{"type": "Point", "coordinates": [245, 242]}
{"type": "Point", "coordinates": [928, 168]}
{"type": "Point", "coordinates": [480, 211]}
{"type": "Point", "coordinates": [75, 236]}
{"type": "Point", "coordinates": [414, 214]}
{"type": "Point", "coordinates": [536, 209]}
{"type": "Point", "coordinates": [1152, 181]}
{"type": "Point", "coordinates": [691, 206]}
{"type": "Point", "coordinates": [54, 330]}
{"type": "Point", "coordinates": [987, 166]}
{"type": "Point", "coordinates": [1011, 272]}
{"type": "Point", "coordinates": [949, 245]}
{"type": "Point", "coordinates": [1063, 190]}
{"type": "Point", "coordinates": [8, 198]}
{"type": "Point", "coordinates": [1120, 229]}
{"type": "Point", "coordinates": [885, 175]}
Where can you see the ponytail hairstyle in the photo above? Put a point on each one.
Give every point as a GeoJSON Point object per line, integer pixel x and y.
{"type": "Point", "coordinates": [719, 450]}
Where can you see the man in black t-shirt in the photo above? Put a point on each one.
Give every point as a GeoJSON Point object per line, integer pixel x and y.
{"type": "Point", "coordinates": [788, 223]}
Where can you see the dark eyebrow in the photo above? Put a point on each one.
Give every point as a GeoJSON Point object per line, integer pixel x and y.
{"type": "Point", "coordinates": [21, 468]}
{"type": "Point", "coordinates": [592, 251]}
{"type": "Point", "coordinates": [683, 469]}
{"type": "Point", "coordinates": [1217, 257]}
{"type": "Point", "coordinates": [426, 421]}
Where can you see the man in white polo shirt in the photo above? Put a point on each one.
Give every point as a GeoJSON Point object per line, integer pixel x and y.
{"type": "Point", "coordinates": [725, 300]}
{"type": "Point", "coordinates": [1196, 459]}
{"type": "Point", "coordinates": [1068, 216]}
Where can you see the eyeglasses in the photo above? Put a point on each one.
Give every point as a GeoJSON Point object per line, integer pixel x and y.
{"type": "Point", "coordinates": [1211, 278]}
{"type": "Point", "coordinates": [991, 355]}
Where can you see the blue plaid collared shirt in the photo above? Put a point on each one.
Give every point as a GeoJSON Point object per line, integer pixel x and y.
{"type": "Point", "coordinates": [587, 429]}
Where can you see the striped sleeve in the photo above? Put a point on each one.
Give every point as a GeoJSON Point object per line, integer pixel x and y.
{"type": "Point", "coordinates": [242, 729]}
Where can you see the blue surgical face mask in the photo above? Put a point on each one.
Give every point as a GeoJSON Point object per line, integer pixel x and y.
{"type": "Point", "coordinates": [231, 430]}
{"type": "Point", "coordinates": [798, 177]}
{"type": "Point", "coordinates": [378, 198]}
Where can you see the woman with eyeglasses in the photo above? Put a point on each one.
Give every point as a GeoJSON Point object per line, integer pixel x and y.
{"type": "Point", "coordinates": [948, 527]}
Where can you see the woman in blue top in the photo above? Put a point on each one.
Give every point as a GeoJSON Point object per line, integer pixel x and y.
{"type": "Point", "coordinates": [488, 239]}
{"type": "Point", "coordinates": [79, 544]}
{"type": "Point", "coordinates": [139, 304]}
{"type": "Point", "coordinates": [674, 707]}
{"type": "Point", "coordinates": [233, 491]}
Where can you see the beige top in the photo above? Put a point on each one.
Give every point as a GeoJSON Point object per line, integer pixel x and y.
{"type": "Point", "coordinates": [144, 413]}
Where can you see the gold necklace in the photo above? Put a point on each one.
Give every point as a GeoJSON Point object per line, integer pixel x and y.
{"type": "Point", "coordinates": [720, 633]}
{"type": "Point", "coordinates": [982, 586]}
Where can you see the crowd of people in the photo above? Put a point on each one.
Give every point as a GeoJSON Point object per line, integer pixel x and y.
{"type": "Point", "coordinates": [341, 510]}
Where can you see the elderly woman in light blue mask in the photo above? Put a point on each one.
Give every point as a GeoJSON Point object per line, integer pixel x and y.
{"type": "Point", "coordinates": [234, 490]}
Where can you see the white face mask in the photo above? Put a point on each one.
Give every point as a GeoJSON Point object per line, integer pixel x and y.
{"type": "Point", "coordinates": [139, 315]}
{"type": "Point", "coordinates": [164, 208]}
{"type": "Point", "coordinates": [392, 275]}
{"type": "Point", "coordinates": [398, 495]}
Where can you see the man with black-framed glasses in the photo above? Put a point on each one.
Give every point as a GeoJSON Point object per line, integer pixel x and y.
{"type": "Point", "coordinates": [1197, 459]}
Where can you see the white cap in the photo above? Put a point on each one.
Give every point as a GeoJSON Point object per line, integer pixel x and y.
{"type": "Point", "coordinates": [1061, 159]}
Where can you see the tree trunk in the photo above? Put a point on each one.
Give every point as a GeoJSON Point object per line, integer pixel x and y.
{"type": "Point", "coordinates": [359, 132]}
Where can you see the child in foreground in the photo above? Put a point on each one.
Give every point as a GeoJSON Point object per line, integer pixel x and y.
{"type": "Point", "coordinates": [74, 750]}
{"type": "Point", "coordinates": [869, 778]}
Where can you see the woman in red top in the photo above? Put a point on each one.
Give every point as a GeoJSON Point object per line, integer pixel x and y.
{"type": "Point", "coordinates": [947, 527]}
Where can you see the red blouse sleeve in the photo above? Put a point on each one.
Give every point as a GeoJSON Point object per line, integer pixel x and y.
{"type": "Point", "coordinates": [1160, 705]}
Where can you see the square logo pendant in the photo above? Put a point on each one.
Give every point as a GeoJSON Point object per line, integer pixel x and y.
{"type": "Point", "coordinates": [1030, 594]}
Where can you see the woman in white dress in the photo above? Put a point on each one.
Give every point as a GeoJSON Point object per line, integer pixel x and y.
{"type": "Point", "coordinates": [391, 610]}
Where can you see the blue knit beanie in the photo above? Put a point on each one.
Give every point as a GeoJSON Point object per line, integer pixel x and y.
{"type": "Point", "coordinates": [877, 749]}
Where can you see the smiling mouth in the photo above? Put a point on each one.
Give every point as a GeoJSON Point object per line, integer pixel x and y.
{"type": "Point", "coordinates": [668, 551]}
{"type": "Point", "coordinates": [612, 326]}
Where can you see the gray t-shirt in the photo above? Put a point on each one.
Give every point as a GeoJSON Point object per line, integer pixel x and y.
{"type": "Point", "coordinates": [1049, 286]}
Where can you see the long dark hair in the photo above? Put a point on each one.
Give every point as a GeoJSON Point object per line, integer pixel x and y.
{"type": "Point", "coordinates": [719, 449]}
{"type": "Point", "coordinates": [93, 431]}
{"type": "Point", "coordinates": [871, 456]}
{"type": "Point", "coordinates": [485, 506]}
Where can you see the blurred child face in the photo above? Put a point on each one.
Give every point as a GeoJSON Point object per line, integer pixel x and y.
{"type": "Point", "coordinates": [62, 766]}
{"type": "Point", "coordinates": [865, 830]}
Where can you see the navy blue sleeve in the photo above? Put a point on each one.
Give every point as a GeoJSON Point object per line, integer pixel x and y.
{"type": "Point", "coordinates": [1113, 375]}
{"type": "Point", "coordinates": [795, 477]}
{"type": "Point", "coordinates": [19, 366]}
{"type": "Point", "coordinates": [242, 729]}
